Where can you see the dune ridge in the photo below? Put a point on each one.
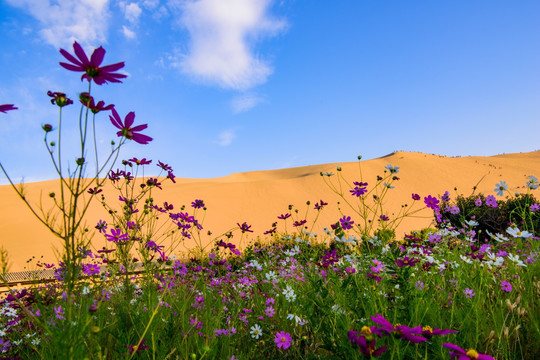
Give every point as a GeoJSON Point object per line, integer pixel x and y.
{"type": "Point", "coordinates": [258, 197]}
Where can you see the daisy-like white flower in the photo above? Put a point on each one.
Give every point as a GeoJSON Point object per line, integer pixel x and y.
{"type": "Point", "coordinates": [516, 259]}
{"type": "Point", "coordinates": [256, 331]}
{"type": "Point", "coordinates": [515, 232]}
{"type": "Point", "coordinates": [289, 294]}
{"type": "Point", "coordinates": [532, 183]}
{"type": "Point", "coordinates": [501, 187]}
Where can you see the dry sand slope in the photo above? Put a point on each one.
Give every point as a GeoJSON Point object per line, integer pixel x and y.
{"type": "Point", "coordinates": [259, 197]}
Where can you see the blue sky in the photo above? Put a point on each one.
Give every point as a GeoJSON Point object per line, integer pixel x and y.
{"type": "Point", "coordinates": [238, 85]}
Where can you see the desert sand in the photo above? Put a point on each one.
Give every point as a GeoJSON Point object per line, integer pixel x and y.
{"type": "Point", "coordinates": [258, 197]}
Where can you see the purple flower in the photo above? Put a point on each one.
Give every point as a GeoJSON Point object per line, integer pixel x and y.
{"type": "Point", "coordinates": [400, 331]}
{"type": "Point", "coordinates": [59, 312]}
{"type": "Point", "coordinates": [299, 223]}
{"type": "Point", "coordinates": [4, 345]}
{"type": "Point", "coordinates": [59, 99]}
{"type": "Point", "coordinates": [126, 130]}
{"type": "Point", "coordinates": [407, 261]}
{"type": "Point", "coordinates": [283, 340]}
{"type": "Point", "coordinates": [102, 226]}
{"type": "Point", "coordinates": [415, 197]}
{"type": "Point", "coordinates": [346, 222]}
{"type": "Point", "coordinates": [506, 286]}
{"type": "Point", "coordinates": [142, 161]}
{"type": "Point", "coordinates": [283, 217]}
{"type": "Point", "coordinates": [428, 332]}
{"type": "Point", "coordinates": [91, 68]}
{"type": "Point", "coordinates": [384, 218]}
{"type": "Point", "coordinates": [535, 207]}
{"type": "Point", "coordinates": [197, 204]}
{"type": "Point", "coordinates": [419, 285]}
{"type": "Point", "coordinates": [431, 202]}
{"type": "Point", "coordinates": [478, 202]}
{"type": "Point", "coordinates": [7, 107]}
{"type": "Point", "coordinates": [87, 100]}
{"type": "Point", "coordinates": [270, 311]}
{"type": "Point", "coordinates": [90, 269]}
{"type": "Point", "coordinates": [244, 227]}
{"type": "Point", "coordinates": [491, 201]}
{"type": "Point", "coordinates": [358, 191]}
{"type": "Point", "coordinates": [319, 206]}
{"type": "Point", "coordinates": [469, 293]}
{"type": "Point", "coordinates": [461, 354]}
{"type": "Point", "coordinates": [117, 236]}
{"type": "Point", "coordinates": [366, 347]}
{"type": "Point", "coordinates": [446, 196]}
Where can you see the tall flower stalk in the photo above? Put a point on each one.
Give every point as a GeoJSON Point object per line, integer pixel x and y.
{"type": "Point", "coordinates": [76, 190]}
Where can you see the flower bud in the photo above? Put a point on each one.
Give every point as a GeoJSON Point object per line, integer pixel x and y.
{"type": "Point", "coordinates": [52, 194]}
{"type": "Point", "coordinates": [47, 127]}
{"type": "Point", "coordinates": [359, 157]}
{"type": "Point", "coordinates": [79, 161]}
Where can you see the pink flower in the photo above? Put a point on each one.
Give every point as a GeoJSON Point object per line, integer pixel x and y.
{"type": "Point", "coordinates": [91, 68]}
{"type": "Point", "coordinates": [461, 354]}
{"type": "Point", "coordinates": [506, 286]}
{"type": "Point", "coordinates": [7, 107]}
{"type": "Point", "coordinates": [126, 130]}
{"type": "Point", "coordinates": [283, 340]}
{"type": "Point", "coordinates": [431, 202]}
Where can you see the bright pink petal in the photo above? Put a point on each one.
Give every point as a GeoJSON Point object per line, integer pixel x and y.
{"type": "Point", "coordinates": [80, 54]}
{"type": "Point", "coordinates": [97, 57]}
{"type": "Point", "coordinates": [139, 128]}
{"type": "Point", "coordinates": [112, 67]}
{"type": "Point", "coordinates": [129, 120]}
{"type": "Point", "coordinates": [454, 347]}
{"type": "Point", "coordinates": [141, 139]}
{"type": "Point", "coordinates": [70, 57]}
{"type": "Point", "coordinates": [115, 119]}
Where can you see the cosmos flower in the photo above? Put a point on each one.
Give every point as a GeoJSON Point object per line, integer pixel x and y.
{"type": "Point", "coordinates": [431, 202]}
{"type": "Point", "coordinates": [346, 222]}
{"type": "Point", "coordinates": [126, 130]}
{"type": "Point", "coordinates": [460, 354]}
{"type": "Point", "coordinates": [501, 187]}
{"type": "Point", "coordinates": [400, 331]}
{"type": "Point", "coordinates": [283, 340]}
{"type": "Point", "coordinates": [7, 107]}
{"type": "Point", "coordinates": [92, 68]}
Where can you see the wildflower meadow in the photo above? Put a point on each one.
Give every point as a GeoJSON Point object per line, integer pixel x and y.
{"type": "Point", "coordinates": [466, 288]}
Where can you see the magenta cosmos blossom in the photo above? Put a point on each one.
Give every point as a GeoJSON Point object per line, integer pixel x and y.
{"type": "Point", "coordinates": [283, 340]}
{"type": "Point", "coordinates": [400, 331]}
{"type": "Point", "coordinates": [7, 107]}
{"type": "Point", "coordinates": [126, 130]}
{"type": "Point", "coordinates": [460, 354]}
{"type": "Point", "coordinates": [91, 68]}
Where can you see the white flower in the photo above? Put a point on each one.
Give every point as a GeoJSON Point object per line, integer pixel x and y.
{"type": "Point", "coordinates": [337, 309]}
{"type": "Point", "coordinates": [471, 223]}
{"type": "Point", "coordinates": [256, 331]}
{"type": "Point", "coordinates": [270, 276]}
{"type": "Point", "coordinates": [466, 259]}
{"type": "Point", "coordinates": [516, 260]}
{"type": "Point", "coordinates": [515, 232]}
{"type": "Point", "coordinates": [289, 294]}
{"type": "Point", "coordinates": [35, 341]}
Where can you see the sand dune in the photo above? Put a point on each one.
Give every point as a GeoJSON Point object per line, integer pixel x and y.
{"type": "Point", "coordinates": [258, 197]}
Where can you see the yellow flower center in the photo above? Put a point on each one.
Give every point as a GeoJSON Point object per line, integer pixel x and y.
{"type": "Point", "coordinates": [472, 354]}
{"type": "Point", "coordinates": [365, 331]}
{"type": "Point", "coordinates": [427, 328]}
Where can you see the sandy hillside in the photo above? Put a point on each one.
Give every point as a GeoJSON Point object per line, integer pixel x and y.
{"type": "Point", "coordinates": [259, 197]}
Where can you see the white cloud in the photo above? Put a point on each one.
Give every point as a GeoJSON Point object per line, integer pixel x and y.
{"type": "Point", "coordinates": [245, 102]}
{"type": "Point", "coordinates": [128, 33]}
{"type": "Point", "coordinates": [64, 21]}
{"type": "Point", "coordinates": [222, 35]}
{"type": "Point", "coordinates": [132, 12]}
{"type": "Point", "coordinates": [226, 137]}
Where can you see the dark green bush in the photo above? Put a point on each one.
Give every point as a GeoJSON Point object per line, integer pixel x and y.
{"type": "Point", "coordinates": [515, 210]}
